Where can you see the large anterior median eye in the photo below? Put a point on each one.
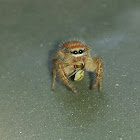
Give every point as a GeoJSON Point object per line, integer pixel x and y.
{"type": "Point", "coordinates": [75, 52]}
{"type": "Point", "coordinates": [80, 51]}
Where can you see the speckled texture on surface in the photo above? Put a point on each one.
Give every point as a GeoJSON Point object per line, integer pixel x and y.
{"type": "Point", "coordinates": [29, 33]}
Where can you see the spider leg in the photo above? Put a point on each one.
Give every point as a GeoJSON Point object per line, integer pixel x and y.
{"type": "Point", "coordinates": [58, 54]}
{"type": "Point", "coordinates": [99, 73]}
{"type": "Point", "coordinates": [63, 77]}
{"type": "Point", "coordinates": [54, 74]}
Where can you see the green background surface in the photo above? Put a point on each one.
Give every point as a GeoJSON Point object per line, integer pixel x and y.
{"type": "Point", "coordinates": [30, 31]}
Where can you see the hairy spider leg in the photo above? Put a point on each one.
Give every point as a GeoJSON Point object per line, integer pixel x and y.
{"type": "Point", "coordinates": [58, 54]}
{"type": "Point", "coordinates": [99, 73]}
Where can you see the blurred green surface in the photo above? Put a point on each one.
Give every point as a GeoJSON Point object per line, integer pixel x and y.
{"type": "Point", "coordinates": [30, 31]}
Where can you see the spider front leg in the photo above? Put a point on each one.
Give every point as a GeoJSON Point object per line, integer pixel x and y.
{"type": "Point", "coordinates": [63, 77]}
{"type": "Point", "coordinates": [99, 72]}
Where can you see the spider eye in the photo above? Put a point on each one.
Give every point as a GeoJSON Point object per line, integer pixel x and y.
{"type": "Point", "coordinates": [75, 52]}
{"type": "Point", "coordinates": [80, 51]}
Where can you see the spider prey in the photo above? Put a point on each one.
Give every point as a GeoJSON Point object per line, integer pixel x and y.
{"type": "Point", "coordinates": [73, 59]}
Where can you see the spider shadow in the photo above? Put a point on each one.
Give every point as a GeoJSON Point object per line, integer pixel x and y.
{"type": "Point", "coordinates": [81, 109]}
{"type": "Point", "coordinates": [92, 78]}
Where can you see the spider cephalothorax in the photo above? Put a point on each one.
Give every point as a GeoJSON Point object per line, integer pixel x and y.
{"type": "Point", "coordinates": [73, 59]}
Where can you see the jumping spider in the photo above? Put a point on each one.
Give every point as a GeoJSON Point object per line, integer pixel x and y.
{"type": "Point", "coordinates": [73, 59]}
